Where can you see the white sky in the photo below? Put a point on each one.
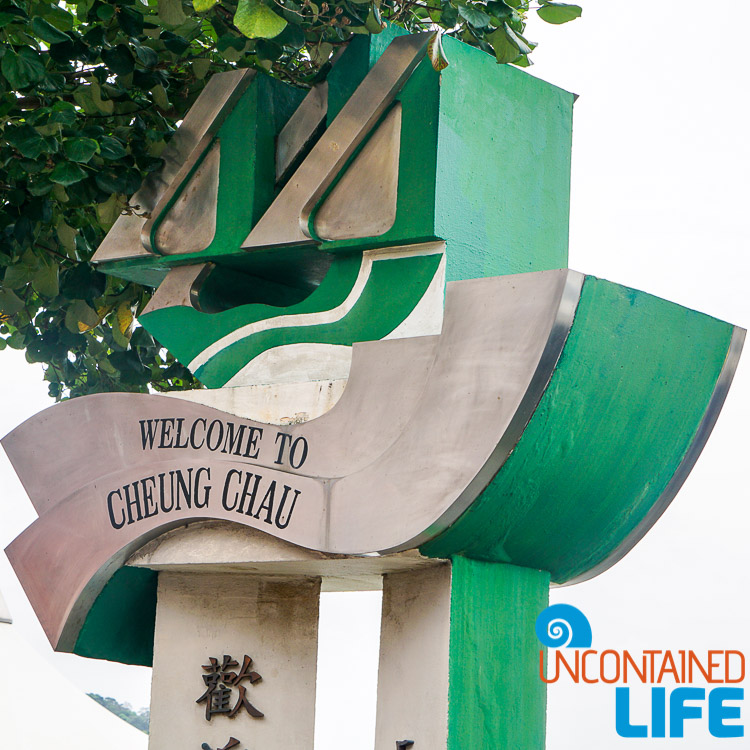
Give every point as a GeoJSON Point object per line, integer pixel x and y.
{"type": "Point", "coordinates": [660, 203]}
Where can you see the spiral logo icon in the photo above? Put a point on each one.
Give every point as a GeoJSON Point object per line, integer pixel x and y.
{"type": "Point", "coordinates": [563, 626]}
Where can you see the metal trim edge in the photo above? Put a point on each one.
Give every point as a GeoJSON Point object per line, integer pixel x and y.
{"type": "Point", "coordinates": [553, 349]}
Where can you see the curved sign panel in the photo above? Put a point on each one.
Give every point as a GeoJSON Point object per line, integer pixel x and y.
{"type": "Point", "coordinates": [430, 446]}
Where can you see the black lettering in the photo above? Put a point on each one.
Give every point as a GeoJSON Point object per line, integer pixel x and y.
{"type": "Point", "coordinates": [162, 495]}
{"type": "Point", "coordinates": [246, 492]}
{"type": "Point", "coordinates": [233, 444]}
{"type": "Point", "coordinates": [280, 511]}
{"type": "Point", "coordinates": [179, 435]}
{"type": "Point", "coordinates": [267, 506]}
{"type": "Point", "coordinates": [192, 434]}
{"type": "Point", "coordinates": [184, 488]}
{"type": "Point", "coordinates": [207, 488]}
{"type": "Point", "coordinates": [150, 508]}
{"type": "Point", "coordinates": [130, 503]}
{"type": "Point", "coordinates": [256, 433]}
{"type": "Point", "coordinates": [115, 524]}
{"type": "Point", "coordinates": [210, 432]}
{"type": "Point", "coordinates": [284, 438]}
{"type": "Point", "coordinates": [166, 433]}
{"type": "Point", "coordinates": [148, 432]}
{"type": "Point", "coordinates": [293, 452]}
{"type": "Point", "coordinates": [226, 490]}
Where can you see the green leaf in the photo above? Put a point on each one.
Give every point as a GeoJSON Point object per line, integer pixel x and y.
{"type": "Point", "coordinates": [27, 140]}
{"type": "Point", "coordinates": [10, 302]}
{"type": "Point", "coordinates": [119, 59]}
{"type": "Point", "coordinates": [374, 22]}
{"type": "Point", "coordinates": [66, 236]}
{"type": "Point", "coordinates": [111, 148]}
{"type": "Point", "coordinates": [16, 341]}
{"type": "Point", "coordinates": [160, 97]}
{"type": "Point", "coordinates": [518, 40]}
{"type": "Point", "coordinates": [506, 50]}
{"type": "Point", "coordinates": [257, 21]}
{"type": "Point", "coordinates": [201, 6]}
{"type": "Point", "coordinates": [435, 52]}
{"type": "Point", "coordinates": [174, 42]}
{"type": "Point", "coordinates": [130, 20]}
{"type": "Point", "coordinates": [58, 17]}
{"type": "Point", "coordinates": [474, 16]}
{"type": "Point", "coordinates": [22, 68]}
{"type": "Point", "coordinates": [559, 12]}
{"type": "Point", "coordinates": [83, 282]}
{"type": "Point", "coordinates": [46, 31]}
{"type": "Point", "coordinates": [46, 281]}
{"type": "Point", "coordinates": [200, 67]}
{"type": "Point", "coordinates": [105, 106]}
{"type": "Point", "coordinates": [63, 113]}
{"type": "Point", "coordinates": [500, 10]}
{"type": "Point", "coordinates": [67, 173]}
{"type": "Point", "coordinates": [292, 36]}
{"type": "Point", "coordinates": [80, 318]}
{"type": "Point", "coordinates": [146, 55]}
{"type": "Point", "coordinates": [171, 13]}
{"type": "Point", "coordinates": [41, 186]}
{"type": "Point", "coordinates": [80, 149]}
{"type": "Point", "coordinates": [18, 275]}
{"type": "Point", "coordinates": [108, 211]}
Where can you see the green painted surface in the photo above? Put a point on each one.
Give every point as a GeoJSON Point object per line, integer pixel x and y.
{"type": "Point", "coordinates": [484, 164]}
{"type": "Point", "coordinates": [189, 332]}
{"type": "Point", "coordinates": [503, 177]}
{"type": "Point", "coordinates": [390, 294]}
{"type": "Point", "coordinates": [120, 625]}
{"type": "Point", "coordinates": [496, 700]}
{"type": "Point", "coordinates": [616, 420]}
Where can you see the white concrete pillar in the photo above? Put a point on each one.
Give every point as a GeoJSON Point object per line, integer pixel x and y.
{"type": "Point", "coordinates": [414, 649]}
{"type": "Point", "coordinates": [204, 615]}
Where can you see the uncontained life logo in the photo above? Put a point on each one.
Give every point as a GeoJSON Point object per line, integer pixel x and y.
{"type": "Point", "coordinates": [675, 679]}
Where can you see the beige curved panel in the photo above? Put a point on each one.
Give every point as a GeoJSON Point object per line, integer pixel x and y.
{"type": "Point", "coordinates": [364, 201]}
{"type": "Point", "coordinates": [421, 427]}
{"type": "Point", "coordinates": [203, 120]}
{"type": "Point", "coordinates": [189, 225]}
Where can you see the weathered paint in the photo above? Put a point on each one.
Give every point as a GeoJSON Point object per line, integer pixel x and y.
{"type": "Point", "coordinates": [496, 699]}
{"type": "Point", "coordinates": [120, 625]}
{"type": "Point", "coordinates": [619, 414]}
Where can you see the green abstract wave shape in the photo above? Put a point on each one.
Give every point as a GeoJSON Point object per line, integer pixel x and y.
{"type": "Point", "coordinates": [393, 290]}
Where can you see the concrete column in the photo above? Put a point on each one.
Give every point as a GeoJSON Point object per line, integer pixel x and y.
{"type": "Point", "coordinates": [414, 653]}
{"type": "Point", "coordinates": [203, 615]}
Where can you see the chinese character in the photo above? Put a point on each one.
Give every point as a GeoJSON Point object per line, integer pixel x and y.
{"type": "Point", "coordinates": [219, 684]}
{"type": "Point", "coordinates": [233, 742]}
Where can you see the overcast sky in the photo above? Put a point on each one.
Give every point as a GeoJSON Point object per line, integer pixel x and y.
{"type": "Point", "coordinates": [659, 203]}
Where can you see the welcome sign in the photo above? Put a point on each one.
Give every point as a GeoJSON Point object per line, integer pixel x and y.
{"type": "Point", "coordinates": [503, 422]}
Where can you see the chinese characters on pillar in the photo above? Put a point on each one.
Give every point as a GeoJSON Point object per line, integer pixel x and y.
{"type": "Point", "coordinates": [225, 692]}
{"type": "Point", "coordinates": [233, 742]}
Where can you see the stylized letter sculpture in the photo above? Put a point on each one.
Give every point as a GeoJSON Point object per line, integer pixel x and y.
{"type": "Point", "coordinates": [407, 386]}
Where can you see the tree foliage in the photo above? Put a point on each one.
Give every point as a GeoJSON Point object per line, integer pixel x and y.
{"type": "Point", "coordinates": [90, 93]}
{"type": "Point", "coordinates": [139, 719]}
